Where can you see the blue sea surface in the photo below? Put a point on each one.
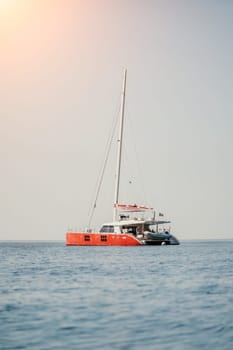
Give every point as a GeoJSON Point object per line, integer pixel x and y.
{"type": "Point", "coordinates": [146, 297]}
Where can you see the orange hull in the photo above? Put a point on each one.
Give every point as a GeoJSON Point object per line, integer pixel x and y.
{"type": "Point", "coordinates": [101, 239]}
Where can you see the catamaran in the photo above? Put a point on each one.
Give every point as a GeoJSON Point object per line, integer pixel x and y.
{"type": "Point", "coordinates": [132, 225]}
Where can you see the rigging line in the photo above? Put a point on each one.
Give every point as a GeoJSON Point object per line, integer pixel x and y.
{"type": "Point", "coordinates": [101, 176]}
{"type": "Point", "coordinates": [101, 168]}
{"type": "Point", "coordinates": [109, 140]}
{"type": "Point", "coordinates": [107, 145]}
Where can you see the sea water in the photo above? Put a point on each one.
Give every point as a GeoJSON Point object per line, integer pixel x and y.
{"type": "Point", "coordinates": [149, 297]}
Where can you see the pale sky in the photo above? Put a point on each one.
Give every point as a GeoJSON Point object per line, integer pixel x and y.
{"type": "Point", "coordinates": [61, 65]}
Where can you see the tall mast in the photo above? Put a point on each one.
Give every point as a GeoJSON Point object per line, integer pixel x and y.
{"type": "Point", "coordinates": [119, 151]}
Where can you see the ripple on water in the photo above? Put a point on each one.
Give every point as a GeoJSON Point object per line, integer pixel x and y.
{"type": "Point", "coordinates": [54, 297]}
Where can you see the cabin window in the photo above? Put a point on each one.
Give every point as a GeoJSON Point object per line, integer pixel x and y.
{"type": "Point", "coordinates": [130, 229]}
{"type": "Point", "coordinates": [107, 228]}
{"type": "Point", "coordinates": [87, 238]}
{"type": "Point", "coordinates": [103, 238]}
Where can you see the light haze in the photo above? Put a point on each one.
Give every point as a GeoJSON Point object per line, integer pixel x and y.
{"type": "Point", "coordinates": [61, 66]}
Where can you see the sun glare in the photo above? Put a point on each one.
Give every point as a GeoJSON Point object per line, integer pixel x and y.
{"type": "Point", "coordinates": [7, 4]}
{"type": "Point", "coordinates": [10, 12]}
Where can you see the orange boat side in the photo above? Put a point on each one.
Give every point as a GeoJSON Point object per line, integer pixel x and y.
{"type": "Point", "coordinates": [101, 239]}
